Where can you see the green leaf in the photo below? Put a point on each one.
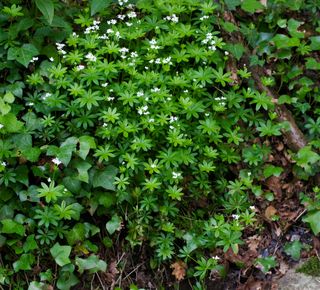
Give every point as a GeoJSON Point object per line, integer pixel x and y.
{"type": "Point", "coordinates": [232, 4]}
{"type": "Point", "coordinates": [251, 6]}
{"type": "Point", "coordinates": [8, 97]}
{"type": "Point", "coordinates": [10, 123]}
{"type": "Point", "coordinates": [35, 285]}
{"type": "Point", "coordinates": [32, 154]}
{"type": "Point", "coordinates": [47, 9]}
{"type": "Point", "coordinates": [26, 53]}
{"type": "Point", "coordinates": [266, 264]}
{"type": "Point", "coordinates": [105, 178]}
{"type": "Point", "coordinates": [236, 50]}
{"type": "Point", "coordinates": [76, 234]}
{"type": "Point", "coordinates": [66, 278]}
{"type": "Point", "coordinates": [93, 264]}
{"type": "Point", "coordinates": [313, 218]}
{"type": "Point", "coordinates": [30, 244]}
{"type": "Point", "coordinates": [114, 224]}
{"type": "Point", "coordinates": [24, 263]}
{"type": "Point", "coordinates": [272, 170]}
{"type": "Point", "coordinates": [306, 157]}
{"type": "Point", "coordinates": [312, 64]}
{"type": "Point", "coordinates": [83, 168]}
{"type": "Point", "coordinates": [98, 5]}
{"type": "Point", "coordinates": [4, 107]}
{"type": "Point", "coordinates": [293, 249]}
{"type": "Point", "coordinates": [315, 43]}
{"type": "Point", "coordinates": [12, 227]}
{"type": "Point", "coordinates": [283, 41]}
{"type": "Point", "coordinates": [61, 254]}
{"type": "Point", "coordinates": [86, 143]}
{"type": "Point", "coordinates": [293, 28]}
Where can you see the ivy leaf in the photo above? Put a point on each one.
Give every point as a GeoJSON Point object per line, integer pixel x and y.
{"type": "Point", "coordinates": [10, 123]}
{"type": "Point", "coordinates": [293, 249]}
{"type": "Point", "coordinates": [315, 42]}
{"type": "Point", "coordinates": [105, 178]}
{"type": "Point", "coordinates": [26, 53]}
{"type": "Point", "coordinates": [47, 9]}
{"type": "Point", "coordinates": [114, 224]}
{"type": "Point", "coordinates": [61, 254]}
{"type": "Point", "coordinates": [12, 227]}
{"type": "Point", "coordinates": [93, 264]}
{"type": "Point", "coordinates": [66, 278]}
{"type": "Point", "coordinates": [76, 234]}
{"type": "Point", "coordinates": [24, 263]}
{"type": "Point", "coordinates": [306, 157]}
{"type": "Point", "coordinates": [272, 170]}
{"type": "Point", "coordinates": [98, 5]}
{"type": "Point", "coordinates": [266, 264]}
{"type": "Point", "coordinates": [232, 4]}
{"type": "Point", "coordinates": [251, 6]}
{"type": "Point", "coordinates": [236, 50]}
{"type": "Point", "coordinates": [293, 28]}
{"type": "Point", "coordinates": [83, 168]}
{"type": "Point", "coordinates": [86, 143]}
{"type": "Point", "coordinates": [30, 244]}
{"type": "Point", "coordinates": [313, 218]}
{"type": "Point", "coordinates": [283, 41]}
{"type": "Point", "coordinates": [312, 63]}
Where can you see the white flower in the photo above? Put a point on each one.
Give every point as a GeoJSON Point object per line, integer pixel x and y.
{"type": "Point", "coordinates": [45, 96]}
{"type": "Point", "coordinates": [151, 120]}
{"type": "Point", "coordinates": [112, 21]}
{"type": "Point", "coordinates": [216, 258]}
{"type": "Point", "coordinates": [132, 14]}
{"type": "Point", "coordinates": [252, 208]}
{"type": "Point", "coordinates": [128, 24]}
{"type": "Point", "coordinates": [3, 163]}
{"type": "Point", "coordinates": [109, 31]}
{"type": "Point", "coordinates": [56, 161]}
{"type": "Point", "coordinates": [1, 126]}
{"type": "Point", "coordinates": [153, 165]}
{"type": "Point", "coordinates": [124, 50]}
{"type": "Point", "coordinates": [80, 67]}
{"type": "Point", "coordinates": [105, 85]}
{"type": "Point", "coordinates": [105, 125]}
{"type": "Point", "coordinates": [134, 54]}
{"type": "Point", "coordinates": [110, 98]}
{"type": "Point", "coordinates": [226, 53]}
{"type": "Point", "coordinates": [103, 36]}
{"type": "Point", "coordinates": [91, 57]}
{"type": "Point", "coordinates": [96, 22]}
{"type": "Point", "coordinates": [212, 47]}
{"type": "Point", "coordinates": [204, 17]}
{"type": "Point", "coordinates": [173, 118]}
{"type": "Point", "coordinates": [173, 18]}
{"type": "Point", "coordinates": [121, 16]}
{"type": "Point", "coordinates": [118, 34]}
{"type": "Point", "coordinates": [75, 34]}
{"type": "Point", "coordinates": [153, 41]}
{"type": "Point", "coordinates": [146, 67]}
{"type": "Point", "coordinates": [155, 90]}
{"type": "Point", "coordinates": [49, 179]}
{"type": "Point", "coordinates": [235, 216]}
{"type": "Point", "coordinates": [51, 59]}
{"type": "Point", "coordinates": [140, 94]}
{"type": "Point", "coordinates": [176, 175]}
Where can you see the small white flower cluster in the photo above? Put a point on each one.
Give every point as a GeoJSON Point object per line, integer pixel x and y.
{"type": "Point", "coordinates": [210, 41]}
{"type": "Point", "coordinates": [1, 126]}
{"type": "Point", "coordinates": [51, 59]}
{"type": "Point", "coordinates": [252, 207]}
{"type": "Point", "coordinates": [166, 60]}
{"type": "Point", "coordinates": [91, 57]}
{"type": "Point", "coordinates": [204, 17]}
{"type": "Point", "coordinates": [123, 52]}
{"type": "Point", "coordinates": [3, 163]}
{"type": "Point", "coordinates": [140, 94]}
{"type": "Point", "coordinates": [95, 27]}
{"type": "Point", "coordinates": [221, 100]}
{"type": "Point", "coordinates": [173, 18]}
{"type": "Point", "coordinates": [80, 67]}
{"type": "Point", "coordinates": [122, 2]}
{"type": "Point", "coordinates": [45, 96]}
{"type": "Point", "coordinates": [34, 59]}
{"type": "Point", "coordinates": [153, 44]}
{"type": "Point", "coordinates": [60, 47]}
{"type": "Point", "coordinates": [151, 120]}
{"type": "Point", "coordinates": [104, 85]}
{"type": "Point", "coordinates": [112, 21]}
{"type": "Point", "coordinates": [215, 258]}
{"type": "Point", "coordinates": [176, 175]}
{"type": "Point", "coordinates": [173, 119]}
{"type": "Point", "coordinates": [103, 36]}
{"type": "Point", "coordinates": [155, 90]}
{"type": "Point", "coordinates": [110, 98]}
{"type": "Point", "coordinates": [132, 14]}
{"type": "Point", "coordinates": [56, 161]}
{"type": "Point", "coordinates": [143, 110]}
{"type": "Point", "coordinates": [235, 216]}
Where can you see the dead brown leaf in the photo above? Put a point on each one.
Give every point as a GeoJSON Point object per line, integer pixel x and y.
{"type": "Point", "coordinates": [253, 242]}
{"type": "Point", "coordinates": [274, 184]}
{"type": "Point", "coordinates": [270, 212]}
{"type": "Point", "coordinates": [179, 270]}
{"type": "Point", "coordinates": [283, 268]}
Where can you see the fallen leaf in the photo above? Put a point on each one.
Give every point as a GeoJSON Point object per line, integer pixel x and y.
{"type": "Point", "coordinates": [283, 268]}
{"type": "Point", "coordinates": [253, 242]}
{"type": "Point", "coordinates": [179, 270]}
{"type": "Point", "coordinates": [270, 212]}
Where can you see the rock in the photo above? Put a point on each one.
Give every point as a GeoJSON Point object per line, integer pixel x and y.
{"type": "Point", "coordinates": [293, 280]}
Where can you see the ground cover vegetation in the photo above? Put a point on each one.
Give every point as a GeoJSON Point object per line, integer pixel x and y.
{"type": "Point", "coordinates": [157, 144]}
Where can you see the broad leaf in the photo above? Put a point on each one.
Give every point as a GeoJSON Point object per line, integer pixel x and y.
{"type": "Point", "coordinates": [47, 9]}
{"type": "Point", "coordinates": [105, 178]}
{"type": "Point", "coordinates": [12, 227]}
{"type": "Point", "coordinates": [93, 264]}
{"type": "Point", "coordinates": [114, 224]}
{"type": "Point", "coordinates": [61, 254]}
{"type": "Point", "coordinates": [98, 5]}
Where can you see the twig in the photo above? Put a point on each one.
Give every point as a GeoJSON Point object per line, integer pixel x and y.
{"type": "Point", "coordinates": [100, 281]}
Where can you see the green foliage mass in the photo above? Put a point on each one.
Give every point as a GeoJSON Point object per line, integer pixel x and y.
{"type": "Point", "coordinates": [122, 123]}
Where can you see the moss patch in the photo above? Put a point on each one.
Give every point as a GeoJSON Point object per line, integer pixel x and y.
{"type": "Point", "coordinates": [310, 267]}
